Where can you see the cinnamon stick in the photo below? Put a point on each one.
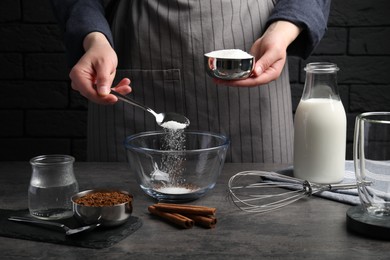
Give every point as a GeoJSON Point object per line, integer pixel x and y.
{"type": "Point", "coordinates": [204, 221]}
{"type": "Point", "coordinates": [175, 218]}
{"type": "Point", "coordinates": [185, 209]}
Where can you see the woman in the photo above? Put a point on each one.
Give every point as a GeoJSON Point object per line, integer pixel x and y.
{"type": "Point", "coordinates": [159, 45]}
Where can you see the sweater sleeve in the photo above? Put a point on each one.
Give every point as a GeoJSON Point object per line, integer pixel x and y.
{"type": "Point", "coordinates": [310, 15]}
{"type": "Point", "coordinates": [78, 18]}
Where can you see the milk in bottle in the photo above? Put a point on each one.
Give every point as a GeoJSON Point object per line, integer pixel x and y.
{"type": "Point", "coordinates": [320, 127]}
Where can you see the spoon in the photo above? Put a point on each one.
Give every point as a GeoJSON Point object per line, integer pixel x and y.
{"type": "Point", "coordinates": [161, 118]}
{"type": "Point", "coordinates": [68, 230]}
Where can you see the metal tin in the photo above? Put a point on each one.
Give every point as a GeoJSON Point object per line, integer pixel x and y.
{"type": "Point", "coordinates": [229, 69]}
{"type": "Point", "coordinates": [105, 215]}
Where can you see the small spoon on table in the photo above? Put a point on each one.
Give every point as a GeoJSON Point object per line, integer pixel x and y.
{"type": "Point", "coordinates": [161, 118]}
{"type": "Point", "coordinates": [68, 230]}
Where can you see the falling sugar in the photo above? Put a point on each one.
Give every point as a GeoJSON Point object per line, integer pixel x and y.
{"type": "Point", "coordinates": [172, 162]}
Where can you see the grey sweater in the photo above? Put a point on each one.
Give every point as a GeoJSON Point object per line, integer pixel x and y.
{"type": "Point", "coordinates": [80, 17]}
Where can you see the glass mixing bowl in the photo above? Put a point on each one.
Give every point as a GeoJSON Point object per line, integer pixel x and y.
{"type": "Point", "coordinates": [176, 165]}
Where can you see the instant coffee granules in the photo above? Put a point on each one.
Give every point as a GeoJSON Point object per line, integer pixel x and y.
{"type": "Point", "coordinates": [102, 199]}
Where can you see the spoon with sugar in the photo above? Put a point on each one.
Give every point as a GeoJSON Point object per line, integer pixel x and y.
{"type": "Point", "coordinates": [166, 120]}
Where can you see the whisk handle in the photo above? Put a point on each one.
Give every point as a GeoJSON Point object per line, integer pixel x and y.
{"type": "Point", "coordinates": [311, 188]}
{"type": "Point", "coordinates": [341, 186]}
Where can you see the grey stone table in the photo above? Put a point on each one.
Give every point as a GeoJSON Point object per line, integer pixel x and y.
{"type": "Point", "coordinates": [312, 228]}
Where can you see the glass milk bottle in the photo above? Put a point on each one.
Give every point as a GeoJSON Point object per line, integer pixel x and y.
{"type": "Point", "coordinates": [51, 187]}
{"type": "Point", "coordinates": [320, 127]}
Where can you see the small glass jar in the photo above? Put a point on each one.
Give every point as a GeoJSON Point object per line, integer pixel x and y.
{"type": "Point", "coordinates": [51, 187]}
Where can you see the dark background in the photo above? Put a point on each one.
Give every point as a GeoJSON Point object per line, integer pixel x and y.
{"type": "Point", "coordinates": [40, 114]}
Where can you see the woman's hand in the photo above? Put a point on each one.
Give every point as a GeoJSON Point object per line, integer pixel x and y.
{"type": "Point", "coordinates": [270, 52]}
{"type": "Point", "coordinates": [94, 73]}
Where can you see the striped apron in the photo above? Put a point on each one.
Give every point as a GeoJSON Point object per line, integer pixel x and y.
{"type": "Point", "coordinates": [160, 46]}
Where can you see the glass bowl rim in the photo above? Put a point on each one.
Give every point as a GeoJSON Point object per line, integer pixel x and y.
{"type": "Point", "coordinates": [222, 137]}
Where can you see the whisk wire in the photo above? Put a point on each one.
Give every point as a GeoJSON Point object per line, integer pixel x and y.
{"type": "Point", "coordinates": [244, 196]}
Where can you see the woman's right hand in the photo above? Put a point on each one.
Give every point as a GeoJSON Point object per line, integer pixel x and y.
{"type": "Point", "coordinates": [94, 73]}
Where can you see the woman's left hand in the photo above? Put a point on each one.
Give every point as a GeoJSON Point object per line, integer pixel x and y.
{"type": "Point", "coordinates": [270, 52]}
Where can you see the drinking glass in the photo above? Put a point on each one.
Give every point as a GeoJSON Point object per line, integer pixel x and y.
{"type": "Point", "coordinates": [51, 187]}
{"type": "Point", "coordinates": [372, 161]}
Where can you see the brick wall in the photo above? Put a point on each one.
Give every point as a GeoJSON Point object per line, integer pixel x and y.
{"type": "Point", "coordinates": [40, 114]}
{"type": "Point", "coordinates": [358, 41]}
